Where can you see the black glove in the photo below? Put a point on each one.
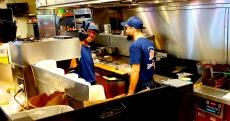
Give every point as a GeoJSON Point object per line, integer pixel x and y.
{"type": "Point", "coordinates": [83, 31]}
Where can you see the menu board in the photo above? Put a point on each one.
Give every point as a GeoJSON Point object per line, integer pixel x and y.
{"type": "Point", "coordinates": [82, 14]}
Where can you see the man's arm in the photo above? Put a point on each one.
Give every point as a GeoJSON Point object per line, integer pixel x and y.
{"type": "Point", "coordinates": [134, 76]}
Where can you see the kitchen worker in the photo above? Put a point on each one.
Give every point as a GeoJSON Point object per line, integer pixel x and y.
{"type": "Point", "coordinates": [85, 65]}
{"type": "Point", "coordinates": [142, 56]}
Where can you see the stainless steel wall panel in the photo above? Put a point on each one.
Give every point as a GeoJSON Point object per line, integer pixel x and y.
{"type": "Point", "coordinates": [102, 40]}
{"type": "Point", "coordinates": [118, 41]}
{"type": "Point", "coordinates": [196, 34]}
{"type": "Point", "coordinates": [121, 43]}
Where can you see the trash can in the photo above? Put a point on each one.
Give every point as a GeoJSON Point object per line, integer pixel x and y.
{"type": "Point", "coordinates": [114, 86]}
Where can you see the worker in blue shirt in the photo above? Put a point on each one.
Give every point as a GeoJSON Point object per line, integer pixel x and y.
{"type": "Point", "coordinates": [87, 34]}
{"type": "Point", "coordinates": [142, 56]}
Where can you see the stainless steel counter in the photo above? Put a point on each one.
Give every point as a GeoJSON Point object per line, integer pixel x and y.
{"type": "Point", "coordinates": [158, 78]}
{"type": "Point", "coordinates": [27, 53]}
{"type": "Point", "coordinates": [48, 82]}
{"type": "Point", "coordinates": [203, 91]}
{"type": "Point", "coordinates": [212, 93]}
{"type": "Point", "coordinates": [207, 92]}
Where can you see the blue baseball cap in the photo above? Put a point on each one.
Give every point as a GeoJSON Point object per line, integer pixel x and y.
{"type": "Point", "coordinates": [92, 26]}
{"type": "Point", "coordinates": [133, 21]}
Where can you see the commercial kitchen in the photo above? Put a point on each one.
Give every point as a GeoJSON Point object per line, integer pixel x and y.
{"type": "Point", "coordinates": [39, 38]}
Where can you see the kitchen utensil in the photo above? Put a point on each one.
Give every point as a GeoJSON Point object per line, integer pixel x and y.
{"type": "Point", "coordinates": [107, 28]}
{"type": "Point", "coordinates": [111, 50]}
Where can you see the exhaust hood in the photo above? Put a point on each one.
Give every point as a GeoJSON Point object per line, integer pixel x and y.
{"type": "Point", "coordinates": [79, 3]}
{"type": "Point", "coordinates": [122, 3]}
{"type": "Point", "coordinates": [104, 3]}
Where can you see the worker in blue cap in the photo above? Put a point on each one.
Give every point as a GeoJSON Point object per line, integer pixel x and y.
{"type": "Point", "coordinates": [87, 34]}
{"type": "Point", "coordinates": [142, 56]}
{"type": "Point", "coordinates": [85, 66]}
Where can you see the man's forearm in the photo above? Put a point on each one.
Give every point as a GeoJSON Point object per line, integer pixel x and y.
{"type": "Point", "coordinates": [134, 76]}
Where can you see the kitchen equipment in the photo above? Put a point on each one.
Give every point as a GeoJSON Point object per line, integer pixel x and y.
{"type": "Point", "coordinates": [207, 109]}
{"type": "Point", "coordinates": [111, 50]}
{"type": "Point", "coordinates": [47, 23]}
{"type": "Point", "coordinates": [183, 75]}
{"type": "Point", "coordinates": [107, 28]}
{"type": "Point", "coordinates": [32, 30]}
{"type": "Point", "coordinates": [31, 53]}
{"type": "Point", "coordinates": [63, 37]}
{"type": "Point", "coordinates": [206, 76]}
{"type": "Point", "coordinates": [107, 58]}
{"type": "Point", "coordinates": [107, 50]}
{"type": "Point", "coordinates": [100, 50]}
{"type": "Point", "coordinates": [28, 39]}
{"type": "Point", "coordinates": [201, 65]}
{"type": "Point", "coordinates": [114, 86]}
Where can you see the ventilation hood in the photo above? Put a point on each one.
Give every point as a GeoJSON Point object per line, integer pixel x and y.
{"type": "Point", "coordinates": [121, 3]}
{"type": "Point", "coordinates": [79, 3]}
{"type": "Point", "coordinates": [102, 3]}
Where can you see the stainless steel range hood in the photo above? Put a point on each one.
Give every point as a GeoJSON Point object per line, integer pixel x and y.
{"type": "Point", "coordinates": [51, 4]}
{"type": "Point", "coordinates": [101, 3]}
{"type": "Point", "coordinates": [78, 3]}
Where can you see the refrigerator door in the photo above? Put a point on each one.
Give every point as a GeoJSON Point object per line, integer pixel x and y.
{"type": "Point", "coordinates": [47, 25]}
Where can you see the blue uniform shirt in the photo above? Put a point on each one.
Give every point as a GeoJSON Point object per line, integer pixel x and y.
{"type": "Point", "coordinates": [142, 52]}
{"type": "Point", "coordinates": [87, 71]}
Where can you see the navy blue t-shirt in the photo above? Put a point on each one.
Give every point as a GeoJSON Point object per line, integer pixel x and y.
{"type": "Point", "coordinates": [87, 71]}
{"type": "Point", "coordinates": [142, 52]}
